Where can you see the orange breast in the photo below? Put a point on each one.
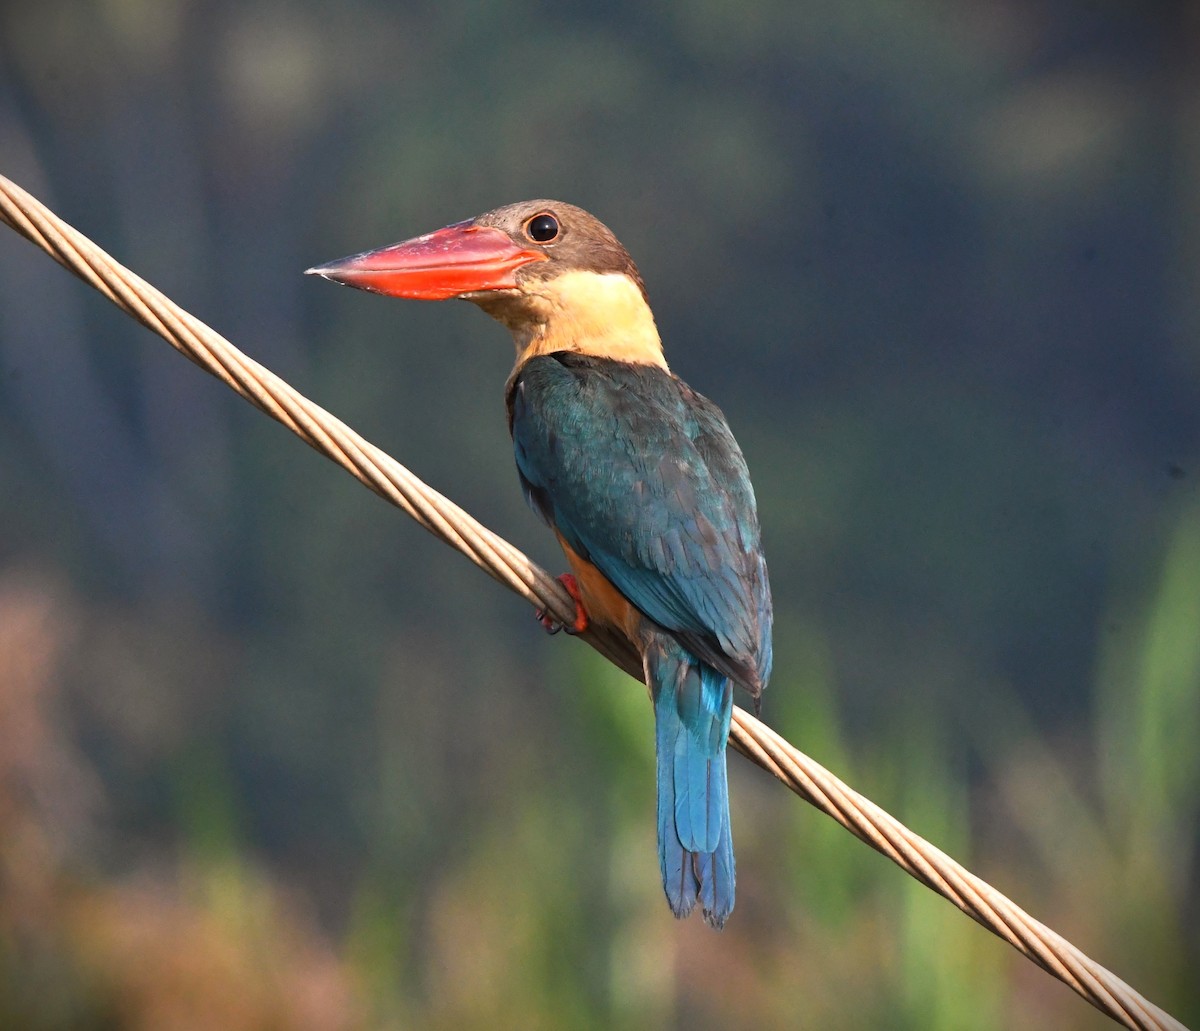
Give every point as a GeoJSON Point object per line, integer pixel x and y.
{"type": "Point", "coordinates": [604, 603]}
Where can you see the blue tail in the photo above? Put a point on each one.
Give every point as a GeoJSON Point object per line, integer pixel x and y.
{"type": "Point", "coordinates": [693, 704]}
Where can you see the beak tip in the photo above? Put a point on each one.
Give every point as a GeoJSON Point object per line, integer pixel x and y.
{"type": "Point", "coordinates": [330, 273]}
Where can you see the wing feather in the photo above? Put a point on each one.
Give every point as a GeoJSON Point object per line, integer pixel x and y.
{"type": "Point", "coordinates": [643, 478]}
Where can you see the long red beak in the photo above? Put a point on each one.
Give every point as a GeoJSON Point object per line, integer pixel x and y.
{"type": "Point", "coordinates": [456, 260]}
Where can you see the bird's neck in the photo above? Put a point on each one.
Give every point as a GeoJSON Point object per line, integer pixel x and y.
{"type": "Point", "coordinates": [604, 315]}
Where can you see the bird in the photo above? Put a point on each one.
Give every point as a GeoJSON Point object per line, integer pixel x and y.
{"type": "Point", "coordinates": [639, 477]}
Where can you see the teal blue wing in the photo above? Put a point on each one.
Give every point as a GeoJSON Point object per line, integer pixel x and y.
{"type": "Point", "coordinates": [643, 478]}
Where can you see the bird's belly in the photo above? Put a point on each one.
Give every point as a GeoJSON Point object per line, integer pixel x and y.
{"type": "Point", "coordinates": [603, 602]}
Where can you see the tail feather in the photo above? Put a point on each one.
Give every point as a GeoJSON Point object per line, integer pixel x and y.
{"type": "Point", "coordinates": [679, 881]}
{"type": "Point", "coordinates": [717, 876]}
{"type": "Point", "coordinates": [693, 704]}
{"type": "Point", "coordinates": [699, 802]}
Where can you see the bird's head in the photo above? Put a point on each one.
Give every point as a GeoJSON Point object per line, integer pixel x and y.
{"type": "Point", "coordinates": [555, 275]}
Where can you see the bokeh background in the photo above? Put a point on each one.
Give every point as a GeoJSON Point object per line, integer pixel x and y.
{"type": "Point", "coordinates": [271, 757]}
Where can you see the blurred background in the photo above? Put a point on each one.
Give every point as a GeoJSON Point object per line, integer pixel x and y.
{"type": "Point", "coordinates": [271, 757]}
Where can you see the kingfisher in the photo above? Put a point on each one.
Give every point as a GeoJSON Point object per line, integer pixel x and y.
{"type": "Point", "coordinates": [639, 477]}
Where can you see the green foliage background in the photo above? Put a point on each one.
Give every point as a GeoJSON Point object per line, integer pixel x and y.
{"type": "Point", "coordinates": [272, 757]}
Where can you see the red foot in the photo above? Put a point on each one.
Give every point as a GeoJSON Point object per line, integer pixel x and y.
{"type": "Point", "coordinates": [551, 625]}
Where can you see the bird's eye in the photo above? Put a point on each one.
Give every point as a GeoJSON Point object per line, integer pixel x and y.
{"type": "Point", "coordinates": [542, 228]}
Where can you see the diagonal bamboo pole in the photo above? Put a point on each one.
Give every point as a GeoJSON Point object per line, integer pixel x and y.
{"type": "Point", "coordinates": [441, 517]}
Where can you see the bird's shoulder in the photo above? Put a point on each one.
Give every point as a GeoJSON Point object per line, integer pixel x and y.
{"type": "Point", "coordinates": [570, 377]}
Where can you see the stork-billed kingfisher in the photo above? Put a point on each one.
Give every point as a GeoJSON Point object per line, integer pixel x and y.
{"type": "Point", "coordinates": [639, 477]}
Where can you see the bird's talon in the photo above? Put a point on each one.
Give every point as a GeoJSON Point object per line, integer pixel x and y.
{"type": "Point", "coordinates": [549, 623]}
{"type": "Point", "coordinates": [580, 623]}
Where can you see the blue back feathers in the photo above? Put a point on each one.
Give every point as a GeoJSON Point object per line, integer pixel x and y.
{"type": "Point", "coordinates": [643, 479]}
